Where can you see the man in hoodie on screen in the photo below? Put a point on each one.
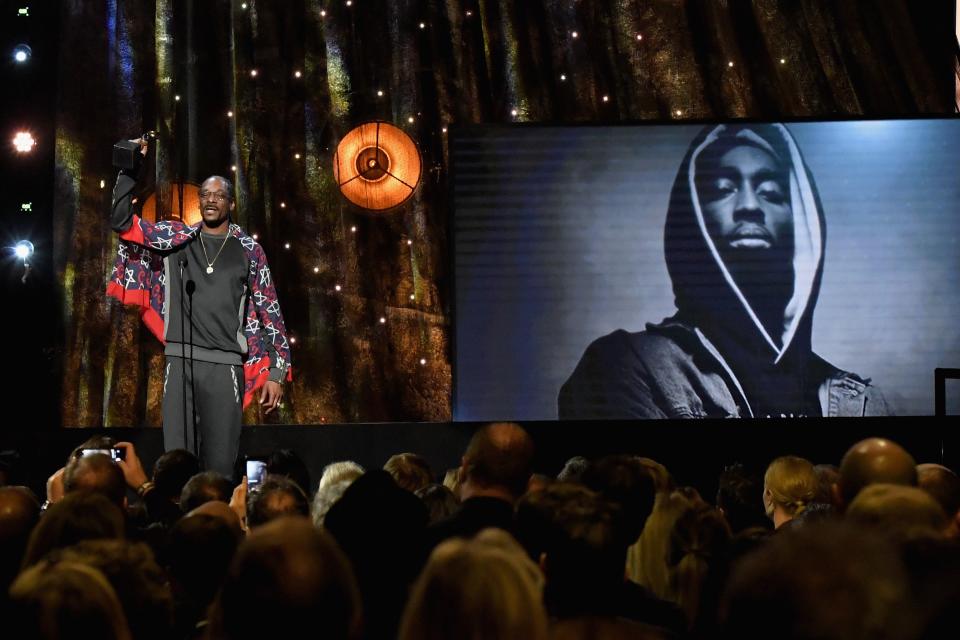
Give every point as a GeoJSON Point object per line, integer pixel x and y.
{"type": "Point", "coordinates": [744, 243]}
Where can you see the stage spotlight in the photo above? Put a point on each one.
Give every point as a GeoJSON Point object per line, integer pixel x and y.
{"type": "Point", "coordinates": [22, 53]}
{"type": "Point", "coordinates": [23, 250]}
{"type": "Point", "coordinates": [23, 142]}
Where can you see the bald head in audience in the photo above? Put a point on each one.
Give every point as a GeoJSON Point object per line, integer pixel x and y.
{"type": "Point", "coordinates": [497, 462]}
{"type": "Point", "coordinates": [944, 485]}
{"type": "Point", "coordinates": [872, 461]}
{"type": "Point", "coordinates": [221, 511]}
{"type": "Point", "coordinates": [97, 473]}
{"type": "Point", "coordinates": [899, 511]}
{"type": "Point", "coordinates": [19, 513]}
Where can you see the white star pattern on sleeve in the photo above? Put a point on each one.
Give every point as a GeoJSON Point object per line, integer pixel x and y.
{"type": "Point", "coordinates": [271, 330]}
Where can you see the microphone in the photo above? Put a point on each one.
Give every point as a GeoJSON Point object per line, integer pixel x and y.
{"type": "Point", "coordinates": [191, 287]}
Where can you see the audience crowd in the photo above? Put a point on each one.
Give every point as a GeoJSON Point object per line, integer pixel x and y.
{"type": "Point", "coordinates": [614, 547]}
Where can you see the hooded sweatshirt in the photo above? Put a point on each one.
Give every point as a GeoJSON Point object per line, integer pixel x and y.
{"type": "Point", "coordinates": [770, 362]}
{"type": "Point", "coordinates": [723, 354]}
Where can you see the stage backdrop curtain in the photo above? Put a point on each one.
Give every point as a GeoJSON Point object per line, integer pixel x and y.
{"type": "Point", "coordinates": [320, 70]}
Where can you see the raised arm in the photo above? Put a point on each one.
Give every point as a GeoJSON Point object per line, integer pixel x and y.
{"type": "Point", "coordinates": [121, 211]}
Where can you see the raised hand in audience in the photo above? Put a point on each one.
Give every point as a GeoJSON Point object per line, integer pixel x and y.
{"type": "Point", "coordinates": [133, 473]}
{"type": "Point", "coordinates": [238, 502]}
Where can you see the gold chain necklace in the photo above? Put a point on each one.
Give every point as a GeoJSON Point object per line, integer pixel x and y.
{"type": "Point", "coordinates": [206, 257]}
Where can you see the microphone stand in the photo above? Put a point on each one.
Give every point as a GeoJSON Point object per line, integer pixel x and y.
{"type": "Point", "coordinates": [183, 359]}
{"type": "Point", "coordinates": [191, 286]}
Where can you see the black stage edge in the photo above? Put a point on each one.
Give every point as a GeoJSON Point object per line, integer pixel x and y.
{"type": "Point", "coordinates": [694, 451]}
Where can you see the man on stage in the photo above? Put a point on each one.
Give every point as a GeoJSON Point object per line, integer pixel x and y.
{"type": "Point", "coordinates": [206, 292]}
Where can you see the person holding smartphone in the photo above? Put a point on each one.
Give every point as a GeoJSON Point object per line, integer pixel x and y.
{"type": "Point", "coordinates": [207, 293]}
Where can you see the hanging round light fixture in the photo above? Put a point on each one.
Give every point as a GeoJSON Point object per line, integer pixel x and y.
{"type": "Point", "coordinates": [377, 166]}
{"type": "Point", "coordinates": [185, 209]}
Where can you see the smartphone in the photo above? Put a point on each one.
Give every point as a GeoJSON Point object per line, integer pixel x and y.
{"type": "Point", "coordinates": [256, 472]}
{"type": "Point", "coordinates": [116, 454]}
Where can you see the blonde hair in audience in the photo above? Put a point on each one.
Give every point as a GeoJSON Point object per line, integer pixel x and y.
{"type": "Point", "coordinates": [481, 589]}
{"type": "Point", "coordinates": [334, 482]}
{"type": "Point", "coordinates": [498, 539]}
{"type": "Point", "coordinates": [647, 557]}
{"type": "Point", "coordinates": [67, 599]}
{"type": "Point", "coordinates": [451, 480]}
{"type": "Point", "coordinates": [791, 483]}
{"type": "Point", "coordinates": [326, 496]}
{"type": "Point", "coordinates": [338, 472]}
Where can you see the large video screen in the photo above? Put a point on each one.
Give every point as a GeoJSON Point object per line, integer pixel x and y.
{"type": "Point", "coordinates": [780, 270]}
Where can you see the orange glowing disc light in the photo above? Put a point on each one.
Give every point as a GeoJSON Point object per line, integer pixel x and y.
{"type": "Point", "coordinates": [191, 204]}
{"type": "Point", "coordinates": [377, 166]}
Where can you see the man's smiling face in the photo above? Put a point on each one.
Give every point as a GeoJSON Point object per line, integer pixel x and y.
{"type": "Point", "coordinates": [216, 202]}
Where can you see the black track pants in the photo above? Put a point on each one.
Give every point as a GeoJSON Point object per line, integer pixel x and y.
{"type": "Point", "coordinates": [217, 397]}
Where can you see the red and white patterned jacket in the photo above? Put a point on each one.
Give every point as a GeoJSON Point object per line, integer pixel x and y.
{"type": "Point", "coordinates": [138, 279]}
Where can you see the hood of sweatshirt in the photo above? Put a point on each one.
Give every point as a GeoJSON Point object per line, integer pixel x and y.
{"type": "Point", "coordinates": [705, 289]}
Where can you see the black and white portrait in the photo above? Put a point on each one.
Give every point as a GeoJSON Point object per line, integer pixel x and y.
{"type": "Point", "coordinates": [729, 270]}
